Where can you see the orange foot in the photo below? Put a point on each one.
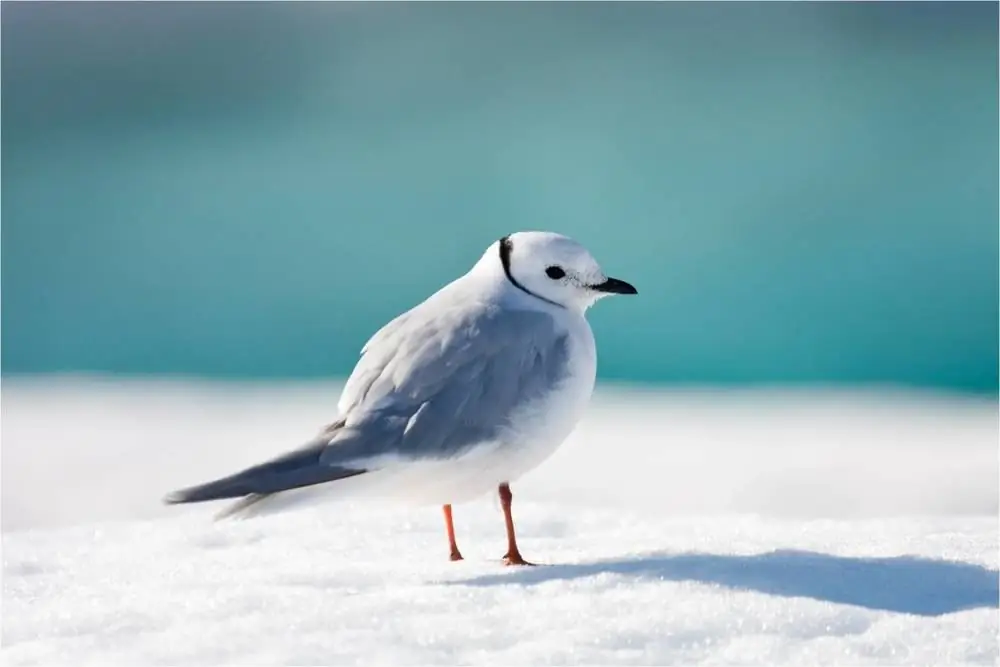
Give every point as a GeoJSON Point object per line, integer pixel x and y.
{"type": "Point", "coordinates": [515, 559]}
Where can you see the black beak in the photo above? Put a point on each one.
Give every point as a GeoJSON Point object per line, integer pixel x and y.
{"type": "Point", "coordinates": [614, 286]}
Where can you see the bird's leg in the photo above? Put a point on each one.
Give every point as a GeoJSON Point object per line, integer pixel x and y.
{"type": "Point", "coordinates": [513, 556]}
{"type": "Point", "coordinates": [452, 544]}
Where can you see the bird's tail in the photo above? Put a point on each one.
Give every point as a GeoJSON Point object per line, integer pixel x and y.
{"type": "Point", "coordinates": [245, 506]}
{"type": "Point", "coordinates": [295, 470]}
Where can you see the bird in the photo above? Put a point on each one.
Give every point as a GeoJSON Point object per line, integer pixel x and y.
{"type": "Point", "coordinates": [458, 396]}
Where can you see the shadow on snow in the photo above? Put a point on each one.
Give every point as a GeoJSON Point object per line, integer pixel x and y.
{"type": "Point", "coordinates": [901, 584]}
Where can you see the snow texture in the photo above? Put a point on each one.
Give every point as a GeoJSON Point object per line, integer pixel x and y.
{"type": "Point", "coordinates": [672, 528]}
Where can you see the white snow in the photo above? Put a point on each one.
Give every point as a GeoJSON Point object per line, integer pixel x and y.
{"type": "Point", "coordinates": [673, 528]}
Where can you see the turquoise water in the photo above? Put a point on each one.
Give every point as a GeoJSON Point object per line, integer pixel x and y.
{"type": "Point", "coordinates": [802, 192]}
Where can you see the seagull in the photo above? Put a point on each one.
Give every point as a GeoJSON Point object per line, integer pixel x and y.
{"type": "Point", "coordinates": [458, 396]}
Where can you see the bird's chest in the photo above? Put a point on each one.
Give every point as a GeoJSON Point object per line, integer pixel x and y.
{"type": "Point", "coordinates": [581, 371]}
{"type": "Point", "coordinates": [543, 426]}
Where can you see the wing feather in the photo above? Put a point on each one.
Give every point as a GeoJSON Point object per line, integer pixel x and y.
{"type": "Point", "coordinates": [432, 384]}
{"type": "Point", "coordinates": [435, 386]}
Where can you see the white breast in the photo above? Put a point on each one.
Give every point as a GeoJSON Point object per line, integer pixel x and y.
{"type": "Point", "coordinates": [544, 426]}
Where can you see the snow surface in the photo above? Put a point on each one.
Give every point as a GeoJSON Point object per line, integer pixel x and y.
{"type": "Point", "coordinates": [673, 528]}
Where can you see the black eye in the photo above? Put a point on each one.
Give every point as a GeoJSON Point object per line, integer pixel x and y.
{"type": "Point", "coordinates": [555, 272]}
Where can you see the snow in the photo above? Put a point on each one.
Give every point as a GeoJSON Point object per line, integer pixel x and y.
{"type": "Point", "coordinates": [673, 528]}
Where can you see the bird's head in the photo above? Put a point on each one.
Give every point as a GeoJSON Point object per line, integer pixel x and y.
{"type": "Point", "coordinates": [555, 268]}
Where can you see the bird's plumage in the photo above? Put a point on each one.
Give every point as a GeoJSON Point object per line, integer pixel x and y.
{"type": "Point", "coordinates": [434, 383]}
{"type": "Point", "coordinates": [470, 388]}
{"type": "Point", "coordinates": [447, 376]}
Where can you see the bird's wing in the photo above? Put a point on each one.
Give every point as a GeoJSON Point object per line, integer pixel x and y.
{"type": "Point", "coordinates": [296, 469]}
{"type": "Point", "coordinates": [440, 380]}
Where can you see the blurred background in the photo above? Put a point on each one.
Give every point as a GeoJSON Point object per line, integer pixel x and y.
{"type": "Point", "coordinates": [805, 194]}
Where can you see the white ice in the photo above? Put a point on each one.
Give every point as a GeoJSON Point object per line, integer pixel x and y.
{"type": "Point", "coordinates": [673, 528]}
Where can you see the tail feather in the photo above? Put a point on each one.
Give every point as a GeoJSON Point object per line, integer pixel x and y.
{"type": "Point", "coordinates": [294, 470]}
{"type": "Point", "coordinates": [245, 506]}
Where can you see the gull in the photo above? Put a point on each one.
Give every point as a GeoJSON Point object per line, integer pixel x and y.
{"type": "Point", "coordinates": [462, 394]}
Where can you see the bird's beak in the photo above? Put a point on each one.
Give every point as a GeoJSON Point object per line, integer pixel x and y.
{"type": "Point", "coordinates": [614, 286]}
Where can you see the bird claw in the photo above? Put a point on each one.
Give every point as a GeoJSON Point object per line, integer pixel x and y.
{"type": "Point", "coordinates": [455, 555]}
{"type": "Point", "coordinates": [516, 559]}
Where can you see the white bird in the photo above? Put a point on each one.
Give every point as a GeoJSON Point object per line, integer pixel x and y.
{"type": "Point", "coordinates": [456, 397]}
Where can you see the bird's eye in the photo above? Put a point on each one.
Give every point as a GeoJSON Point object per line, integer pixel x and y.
{"type": "Point", "coordinates": [555, 272]}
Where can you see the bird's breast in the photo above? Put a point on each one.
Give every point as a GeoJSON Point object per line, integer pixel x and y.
{"type": "Point", "coordinates": [572, 396]}
{"type": "Point", "coordinates": [539, 429]}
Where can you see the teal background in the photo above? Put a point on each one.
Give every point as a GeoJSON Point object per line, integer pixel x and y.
{"type": "Point", "coordinates": [802, 192]}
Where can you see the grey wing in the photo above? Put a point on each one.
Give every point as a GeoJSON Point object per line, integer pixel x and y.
{"type": "Point", "coordinates": [432, 387]}
{"type": "Point", "coordinates": [296, 469]}
{"type": "Point", "coordinates": [437, 389]}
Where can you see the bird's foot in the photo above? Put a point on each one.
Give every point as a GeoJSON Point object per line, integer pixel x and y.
{"type": "Point", "coordinates": [455, 555]}
{"type": "Point", "coordinates": [515, 558]}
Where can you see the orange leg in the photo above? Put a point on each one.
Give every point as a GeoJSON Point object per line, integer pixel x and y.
{"type": "Point", "coordinates": [455, 554]}
{"type": "Point", "coordinates": [513, 556]}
